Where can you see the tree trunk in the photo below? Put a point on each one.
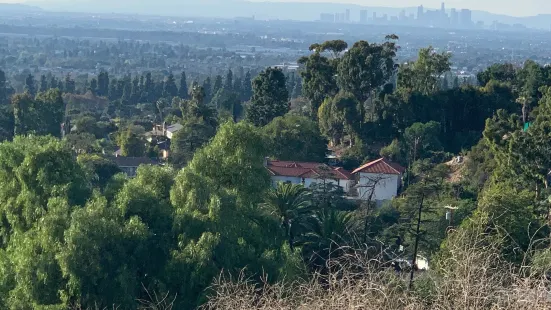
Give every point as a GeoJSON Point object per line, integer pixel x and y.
{"type": "Point", "coordinates": [367, 212]}
{"type": "Point", "coordinates": [414, 259]}
{"type": "Point", "coordinates": [524, 111]}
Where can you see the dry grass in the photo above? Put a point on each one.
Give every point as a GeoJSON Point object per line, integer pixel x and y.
{"type": "Point", "coordinates": [470, 275]}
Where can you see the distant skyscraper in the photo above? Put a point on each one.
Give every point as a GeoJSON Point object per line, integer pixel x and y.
{"type": "Point", "coordinates": [340, 17]}
{"type": "Point", "coordinates": [374, 16]}
{"type": "Point", "coordinates": [444, 20]}
{"type": "Point", "coordinates": [454, 18]}
{"type": "Point", "coordinates": [326, 17]}
{"type": "Point", "coordinates": [420, 12]}
{"type": "Point", "coordinates": [347, 15]}
{"type": "Point", "coordinates": [466, 18]}
{"type": "Point", "coordinates": [363, 16]}
{"type": "Point", "coordinates": [402, 15]}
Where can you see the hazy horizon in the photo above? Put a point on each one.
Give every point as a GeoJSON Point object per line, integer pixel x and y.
{"type": "Point", "coordinates": [506, 7]}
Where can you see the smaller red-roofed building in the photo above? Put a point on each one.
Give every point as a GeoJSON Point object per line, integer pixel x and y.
{"type": "Point", "coordinates": [378, 180]}
{"type": "Point", "coordinates": [308, 173]}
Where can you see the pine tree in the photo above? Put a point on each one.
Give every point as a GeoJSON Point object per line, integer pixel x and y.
{"type": "Point", "coordinates": [237, 84]}
{"type": "Point", "coordinates": [43, 83]}
{"type": "Point", "coordinates": [207, 87]}
{"type": "Point", "coordinates": [94, 86]}
{"type": "Point", "coordinates": [142, 82]}
{"type": "Point", "coordinates": [149, 88]}
{"type": "Point", "coordinates": [103, 84]}
{"type": "Point", "coordinates": [247, 87]}
{"type": "Point", "coordinates": [228, 83]}
{"type": "Point", "coordinates": [183, 91]}
{"type": "Point", "coordinates": [136, 91]}
{"type": "Point", "coordinates": [53, 83]}
{"type": "Point", "coordinates": [3, 89]}
{"type": "Point", "coordinates": [270, 97]}
{"type": "Point", "coordinates": [217, 85]}
{"type": "Point", "coordinates": [170, 89]}
{"type": "Point", "coordinates": [30, 85]}
{"type": "Point", "coordinates": [159, 90]}
{"type": "Point", "coordinates": [112, 90]}
{"type": "Point", "coordinates": [70, 85]}
{"type": "Point", "coordinates": [127, 91]}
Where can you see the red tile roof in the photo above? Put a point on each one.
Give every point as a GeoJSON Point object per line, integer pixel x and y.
{"type": "Point", "coordinates": [306, 170]}
{"type": "Point", "coordinates": [381, 166]}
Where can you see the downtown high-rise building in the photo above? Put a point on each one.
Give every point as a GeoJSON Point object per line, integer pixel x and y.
{"type": "Point", "coordinates": [363, 17]}
{"type": "Point", "coordinates": [443, 16]}
{"type": "Point", "coordinates": [327, 17]}
{"type": "Point", "coordinates": [347, 15]}
{"type": "Point", "coordinates": [454, 18]}
{"type": "Point", "coordinates": [402, 16]}
{"type": "Point", "coordinates": [420, 13]}
{"type": "Point", "coordinates": [466, 18]}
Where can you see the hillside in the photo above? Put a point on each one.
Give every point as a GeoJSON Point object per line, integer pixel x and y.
{"type": "Point", "coordinates": [10, 8]}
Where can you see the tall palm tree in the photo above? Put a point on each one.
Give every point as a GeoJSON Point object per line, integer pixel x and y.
{"type": "Point", "coordinates": [328, 229]}
{"type": "Point", "coordinates": [291, 203]}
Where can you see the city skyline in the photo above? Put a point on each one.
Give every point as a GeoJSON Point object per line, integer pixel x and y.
{"type": "Point", "coordinates": [443, 17]}
{"type": "Point", "coordinates": [505, 7]}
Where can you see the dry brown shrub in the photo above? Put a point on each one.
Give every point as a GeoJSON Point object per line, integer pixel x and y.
{"type": "Point", "coordinates": [471, 274]}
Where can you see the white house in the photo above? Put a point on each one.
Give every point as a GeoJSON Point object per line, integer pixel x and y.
{"type": "Point", "coordinates": [307, 173]}
{"type": "Point", "coordinates": [378, 180]}
{"type": "Point", "coordinates": [163, 131]}
{"type": "Point", "coordinates": [172, 130]}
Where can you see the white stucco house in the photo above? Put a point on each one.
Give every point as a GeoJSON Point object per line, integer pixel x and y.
{"type": "Point", "coordinates": [378, 180]}
{"type": "Point", "coordinates": [308, 173]}
{"type": "Point", "coordinates": [172, 130]}
{"type": "Point", "coordinates": [163, 131]}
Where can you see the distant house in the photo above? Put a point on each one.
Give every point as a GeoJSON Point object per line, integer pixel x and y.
{"type": "Point", "coordinates": [155, 133]}
{"type": "Point", "coordinates": [308, 173]}
{"type": "Point", "coordinates": [163, 131]}
{"type": "Point", "coordinates": [129, 165]}
{"type": "Point", "coordinates": [172, 130]}
{"type": "Point", "coordinates": [379, 179]}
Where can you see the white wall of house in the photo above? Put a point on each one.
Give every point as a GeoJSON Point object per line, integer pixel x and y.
{"type": "Point", "coordinates": [170, 134]}
{"type": "Point", "coordinates": [310, 182]}
{"type": "Point", "coordinates": [345, 184]}
{"type": "Point", "coordinates": [293, 180]}
{"type": "Point", "coordinates": [385, 186]}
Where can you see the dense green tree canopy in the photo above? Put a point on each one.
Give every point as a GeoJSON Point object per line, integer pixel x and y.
{"type": "Point", "coordinates": [365, 67]}
{"type": "Point", "coordinates": [270, 97]}
{"type": "Point", "coordinates": [41, 115]}
{"type": "Point", "coordinates": [295, 138]}
{"type": "Point", "coordinates": [194, 135]}
{"type": "Point", "coordinates": [75, 233]}
{"type": "Point", "coordinates": [319, 81]}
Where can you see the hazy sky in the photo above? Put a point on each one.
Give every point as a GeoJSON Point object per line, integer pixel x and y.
{"type": "Point", "coordinates": [509, 7]}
